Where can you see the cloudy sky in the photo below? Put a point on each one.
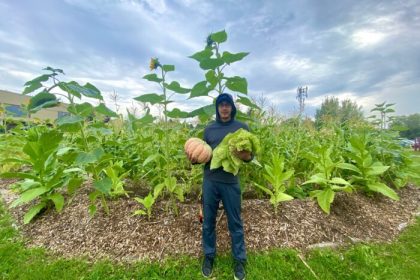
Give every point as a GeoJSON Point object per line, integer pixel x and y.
{"type": "Point", "coordinates": [367, 51]}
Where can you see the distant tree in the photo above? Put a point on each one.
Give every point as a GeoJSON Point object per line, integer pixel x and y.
{"type": "Point", "coordinates": [332, 111]}
{"type": "Point", "coordinates": [410, 122]}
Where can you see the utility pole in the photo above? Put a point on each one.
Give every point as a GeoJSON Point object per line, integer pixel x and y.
{"type": "Point", "coordinates": [302, 94]}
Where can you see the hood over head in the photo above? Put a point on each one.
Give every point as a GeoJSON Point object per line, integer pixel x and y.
{"type": "Point", "coordinates": [225, 97]}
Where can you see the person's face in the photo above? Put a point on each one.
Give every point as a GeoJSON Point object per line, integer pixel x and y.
{"type": "Point", "coordinates": [225, 110]}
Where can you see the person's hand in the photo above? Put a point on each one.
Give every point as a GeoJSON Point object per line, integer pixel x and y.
{"type": "Point", "coordinates": [243, 155]}
{"type": "Point", "coordinates": [191, 159]}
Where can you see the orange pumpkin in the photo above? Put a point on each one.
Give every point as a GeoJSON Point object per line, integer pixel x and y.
{"type": "Point", "coordinates": [198, 150]}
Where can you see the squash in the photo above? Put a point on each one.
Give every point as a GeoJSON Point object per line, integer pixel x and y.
{"type": "Point", "coordinates": [198, 150]}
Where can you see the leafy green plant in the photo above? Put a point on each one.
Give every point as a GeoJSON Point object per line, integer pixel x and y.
{"type": "Point", "coordinates": [147, 202]}
{"type": "Point", "coordinates": [223, 154]}
{"type": "Point", "coordinates": [86, 131]}
{"type": "Point", "coordinates": [276, 176]}
{"type": "Point", "coordinates": [46, 176]}
{"type": "Point", "coordinates": [11, 146]}
{"type": "Point", "coordinates": [367, 170]}
{"type": "Point", "coordinates": [325, 179]}
{"type": "Point", "coordinates": [213, 61]}
{"type": "Point", "coordinates": [175, 191]}
{"type": "Point", "coordinates": [165, 98]}
{"type": "Point", "coordinates": [116, 173]}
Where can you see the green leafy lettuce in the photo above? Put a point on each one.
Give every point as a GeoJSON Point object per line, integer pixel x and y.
{"type": "Point", "coordinates": [223, 154]}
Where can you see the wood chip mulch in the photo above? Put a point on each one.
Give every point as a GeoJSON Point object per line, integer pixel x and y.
{"type": "Point", "coordinates": [299, 224]}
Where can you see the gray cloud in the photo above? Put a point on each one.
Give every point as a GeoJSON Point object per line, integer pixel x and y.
{"type": "Point", "coordinates": [367, 50]}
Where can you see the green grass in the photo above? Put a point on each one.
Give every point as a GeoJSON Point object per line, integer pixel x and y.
{"type": "Point", "coordinates": [399, 260]}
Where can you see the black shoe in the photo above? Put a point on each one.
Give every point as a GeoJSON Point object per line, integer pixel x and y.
{"type": "Point", "coordinates": [239, 270]}
{"type": "Point", "coordinates": [207, 268]}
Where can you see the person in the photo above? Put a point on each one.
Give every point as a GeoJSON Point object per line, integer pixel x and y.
{"type": "Point", "coordinates": [220, 185]}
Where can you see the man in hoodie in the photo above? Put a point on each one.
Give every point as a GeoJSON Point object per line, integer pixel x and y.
{"type": "Point", "coordinates": [220, 185]}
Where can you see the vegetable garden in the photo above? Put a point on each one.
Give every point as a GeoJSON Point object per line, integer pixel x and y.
{"type": "Point", "coordinates": [142, 160]}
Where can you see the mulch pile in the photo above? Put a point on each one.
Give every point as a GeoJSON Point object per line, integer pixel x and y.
{"type": "Point", "coordinates": [299, 224]}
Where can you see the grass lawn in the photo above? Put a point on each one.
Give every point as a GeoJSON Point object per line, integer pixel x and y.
{"type": "Point", "coordinates": [399, 260]}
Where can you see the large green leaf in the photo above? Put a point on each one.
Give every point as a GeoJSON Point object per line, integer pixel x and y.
{"type": "Point", "coordinates": [20, 175]}
{"type": "Point", "coordinates": [33, 212]}
{"type": "Point", "coordinates": [238, 84]}
{"type": "Point", "coordinates": [176, 87]}
{"type": "Point", "coordinates": [348, 166]}
{"type": "Point", "coordinates": [286, 175]}
{"type": "Point", "coordinates": [87, 90]}
{"type": "Point", "coordinates": [325, 198]}
{"type": "Point", "coordinates": [58, 200]}
{"type": "Point", "coordinates": [72, 119]}
{"type": "Point", "coordinates": [152, 98]}
{"type": "Point", "coordinates": [148, 201]}
{"type": "Point", "coordinates": [102, 109]}
{"type": "Point", "coordinates": [280, 196]}
{"type": "Point", "coordinates": [70, 123]}
{"type": "Point", "coordinates": [85, 109]}
{"type": "Point", "coordinates": [29, 195]}
{"type": "Point", "coordinates": [357, 143]}
{"type": "Point", "coordinates": [104, 185]}
{"type": "Point", "coordinates": [176, 113]}
{"type": "Point", "coordinates": [152, 78]}
{"type": "Point", "coordinates": [339, 181]}
{"type": "Point", "coordinates": [264, 189]}
{"type": "Point", "coordinates": [202, 55]}
{"type": "Point", "coordinates": [247, 102]}
{"type": "Point", "coordinates": [50, 140]}
{"type": "Point", "coordinates": [316, 179]}
{"type": "Point", "coordinates": [199, 89]}
{"type": "Point", "coordinates": [65, 87]}
{"type": "Point", "coordinates": [74, 184]}
{"type": "Point", "coordinates": [383, 189]}
{"type": "Point", "coordinates": [91, 91]}
{"type": "Point", "coordinates": [211, 78]}
{"type": "Point", "coordinates": [39, 79]}
{"type": "Point", "coordinates": [168, 68]}
{"type": "Point", "coordinates": [208, 110]}
{"type": "Point", "coordinates": [15, 160]}
{"type": "Point", "coordinates": [42, 100]}
{"type": "Point", "coordinates": [377, 169]}
{"type": "Point", "coordinates": [219, 37]}
{"type": "Point", "coordinates": [146, 119]}
{"type": "Point", "coordinates": [90, 157]}
{"type": "Point", "coordinates": [233, 57]}
{"type": "Point", "coordinates": [211, 63]}
{"type": "Point", "coordinates": [33, 86]}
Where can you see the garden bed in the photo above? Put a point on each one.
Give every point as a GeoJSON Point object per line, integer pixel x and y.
{"type": "Point", "coordinates": [299, 224]}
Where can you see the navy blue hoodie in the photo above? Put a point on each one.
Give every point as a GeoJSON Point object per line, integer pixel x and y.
{"type": "Point", "coordinates": [214, 134]}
